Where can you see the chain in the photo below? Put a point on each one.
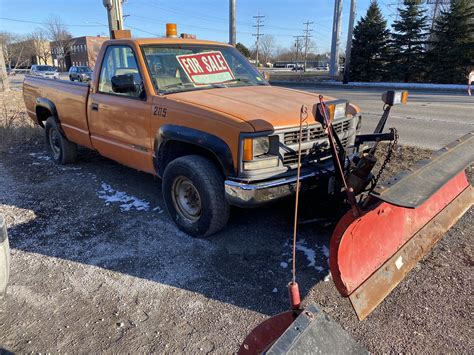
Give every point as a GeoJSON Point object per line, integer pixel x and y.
{"type": "Point", "coordinates": [391, 148]}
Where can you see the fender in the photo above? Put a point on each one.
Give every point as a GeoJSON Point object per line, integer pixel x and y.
{"type": "Point", "coordinates": [211, 143]}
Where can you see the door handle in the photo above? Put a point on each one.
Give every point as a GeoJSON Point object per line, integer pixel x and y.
{"type": "Point", "coordinates": [95, 107]}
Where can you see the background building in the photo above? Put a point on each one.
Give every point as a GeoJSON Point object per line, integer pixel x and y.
{"type": "Point", "coordinates": [80, 51]}
{"type": "Point", "coordinates": [24, 54]}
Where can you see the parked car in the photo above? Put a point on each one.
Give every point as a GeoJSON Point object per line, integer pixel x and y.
{"type": "Point", "coordinates": [298, 68]}
{"type": "Point", "coordinates": [80, 73]}
{"type": "Point", "coordinates": [45, 71]}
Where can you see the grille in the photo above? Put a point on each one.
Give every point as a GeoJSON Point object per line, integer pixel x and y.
{"type": "Point", "coordinates": [314, 132]}
{"type": "Point", "coordinates": [291, 158]}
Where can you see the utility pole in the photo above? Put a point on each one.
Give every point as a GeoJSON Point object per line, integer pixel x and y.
{"type": "Point", "coordinates": [307, 35]}
{"type": "Point", "coordinates": [259, 24]}
{"type": "Point", "coordinates": [232, 25]}
{"type": "Point", "coordinates": [297, 45]}
{"type": "Point", "coordinates": [336, 32]}
{"type": "Point", "coordinates": [115, 14]}
{"type": "Point", "coordinates": [352, 15]}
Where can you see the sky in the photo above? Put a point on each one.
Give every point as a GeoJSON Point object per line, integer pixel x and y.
{"type": "Point", "coordinates": [208, 19]}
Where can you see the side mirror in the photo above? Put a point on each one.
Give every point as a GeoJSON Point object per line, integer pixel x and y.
{"type": "Point", "coordinates": [4, 257]}
{"type": "Point", "coordinates": [124, 84]}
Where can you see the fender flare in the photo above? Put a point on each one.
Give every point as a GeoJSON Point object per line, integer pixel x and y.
{"type": "Point", "coordinates": [211, 143]}
{"type": "Point", "coordinates": [50, 106]}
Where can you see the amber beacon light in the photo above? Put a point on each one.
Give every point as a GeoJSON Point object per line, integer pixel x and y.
{"type": "Point", "coordinates": [171, 30]}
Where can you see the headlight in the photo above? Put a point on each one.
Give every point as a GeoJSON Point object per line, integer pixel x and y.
{"type": "Point", "coordinates": [261, 146]}
{"type": "Point", "coordinates": [256, 153]}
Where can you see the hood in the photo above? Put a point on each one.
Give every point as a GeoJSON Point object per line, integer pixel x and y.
{"type": "Point", "coordinates": [264, 107]}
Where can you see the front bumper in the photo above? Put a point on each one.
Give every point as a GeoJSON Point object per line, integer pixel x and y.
{"type": "Point", "coordinates": [242, 194]}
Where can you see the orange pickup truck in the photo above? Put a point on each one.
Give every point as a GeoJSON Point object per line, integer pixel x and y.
{"type": "Point", "coordinates": [196, 114]}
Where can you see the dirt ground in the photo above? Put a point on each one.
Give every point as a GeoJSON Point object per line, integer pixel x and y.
{"type": "Point", "coordinates": [97, 265]}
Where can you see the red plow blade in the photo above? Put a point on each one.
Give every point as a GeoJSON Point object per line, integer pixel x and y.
{"type": "Point", "coordinates": [370, 254]}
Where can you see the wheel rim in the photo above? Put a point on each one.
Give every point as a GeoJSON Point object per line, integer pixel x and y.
{"type": "Point", "coordinates": [55, 143]}
{"type": "Point", "coordinates": [186, 199]}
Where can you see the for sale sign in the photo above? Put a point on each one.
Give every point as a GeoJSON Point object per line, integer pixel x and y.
{"type": "Point", "coordinates": [206, 68]}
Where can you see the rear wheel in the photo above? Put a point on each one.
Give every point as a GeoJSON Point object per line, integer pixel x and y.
{"type": "Point", "coordinates": [62, 150]}
{"type": "Point", "coordinates": [193, 190]}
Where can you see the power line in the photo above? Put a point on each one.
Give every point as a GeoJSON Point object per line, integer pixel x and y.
{"type": "Point", "coordinates": [259, 18]}
{"type": "Point", "coordinates": [45, 23]}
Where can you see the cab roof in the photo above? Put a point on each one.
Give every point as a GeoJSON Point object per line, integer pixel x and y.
{"type": "Point", "coordinates": [168, 40]}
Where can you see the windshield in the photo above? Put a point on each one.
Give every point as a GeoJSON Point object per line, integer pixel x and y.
{"type": "Point", "coordinates": [176, 68]}
{"type": "Point", "coordinates": [44, 68]}
{"type": "Point", "coordinates": [83, 70]}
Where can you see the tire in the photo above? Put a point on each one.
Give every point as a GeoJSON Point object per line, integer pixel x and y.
{"type": "Point", "coordinates": [62, 151]}
{"type": "Point", "coordinates": [70, 78]}
{"type": "Point", "coordinates": [195, 174]}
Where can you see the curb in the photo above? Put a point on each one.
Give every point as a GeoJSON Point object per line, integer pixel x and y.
{"type": "Point", "coordinates": [386, 86]}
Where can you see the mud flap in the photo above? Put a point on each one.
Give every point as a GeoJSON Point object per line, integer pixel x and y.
{"type": "Point", "coordinates": [4, 258]}
{"type": "Point", "coordinates": [372, 253]}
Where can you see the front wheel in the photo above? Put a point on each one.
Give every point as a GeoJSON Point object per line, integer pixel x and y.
{"type": "Point", "coordinates": [62, 150]}
{"type": "Point", "coordinates": [194, 194]}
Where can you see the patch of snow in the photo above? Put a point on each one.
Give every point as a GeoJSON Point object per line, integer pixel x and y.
{"type": "Point", "coordinates": [325, 251]}
{"type": "Point", "coordinates": [309, 253]}
{"type": "Point", "coordinates": [41, 156]}
{"type": "Point", "coordinates": [68, 168]}
{"type": "Point", "coordinates": [284, 265]}
{"type": "Point", "coordinates": [127, 202]}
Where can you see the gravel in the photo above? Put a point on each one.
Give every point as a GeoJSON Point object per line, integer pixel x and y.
{"type": "Point", "coordinates": [89, 274]}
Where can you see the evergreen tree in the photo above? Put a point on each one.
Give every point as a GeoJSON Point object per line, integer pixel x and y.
{"type": "Point", "coordinates": [452, 49]}
{"type": "Point", "coordinates": [369, 46]}
{"type": "Point", "coordinates": [408, 43]}
{"type": "Point", "coordinates": [242, 49]}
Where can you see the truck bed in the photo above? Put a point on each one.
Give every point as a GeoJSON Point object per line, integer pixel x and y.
{"type": "Point", "coordinates": [69, 100]}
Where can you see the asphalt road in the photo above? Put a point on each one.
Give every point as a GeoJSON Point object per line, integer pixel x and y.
{"type": "Point", "coordinates": [431, 119]}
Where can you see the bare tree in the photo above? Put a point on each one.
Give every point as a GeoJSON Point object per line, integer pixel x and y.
{"type": "Point", "coordinates": [40, 45]}
{"type": "Point", "coordinates": [16, 51]}
{"type": "Point", "coordinates": [267, 48]}
{"type": "Point", "coordinates": [60, 37]}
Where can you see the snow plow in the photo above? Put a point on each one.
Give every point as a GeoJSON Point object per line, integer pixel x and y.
{"type": "Point", "coordinates": [387, 229]}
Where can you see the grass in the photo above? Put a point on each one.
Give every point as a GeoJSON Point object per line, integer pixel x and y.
{"type": "Point", "coordinates": [15, 125]}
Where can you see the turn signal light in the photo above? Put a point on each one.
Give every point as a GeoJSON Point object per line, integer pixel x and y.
{"type": "Point", "coordinates": [248, 149]}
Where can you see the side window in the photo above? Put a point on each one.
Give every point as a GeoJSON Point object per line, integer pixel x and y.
{"type": "Point", "coordinates": [119, 74]}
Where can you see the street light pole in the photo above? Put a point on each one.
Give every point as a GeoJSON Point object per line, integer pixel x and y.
{"type": "Point", "coordinates": [336, 31]}
{"type": "Point", "coordinates": [349, 42]}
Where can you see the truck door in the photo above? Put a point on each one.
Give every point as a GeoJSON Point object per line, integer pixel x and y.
{"type": "Point", "coordinates": [119, 111]}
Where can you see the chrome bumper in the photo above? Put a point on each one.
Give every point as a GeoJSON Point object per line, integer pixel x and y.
{"type": "Point", "coordinates": [253, 194]}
